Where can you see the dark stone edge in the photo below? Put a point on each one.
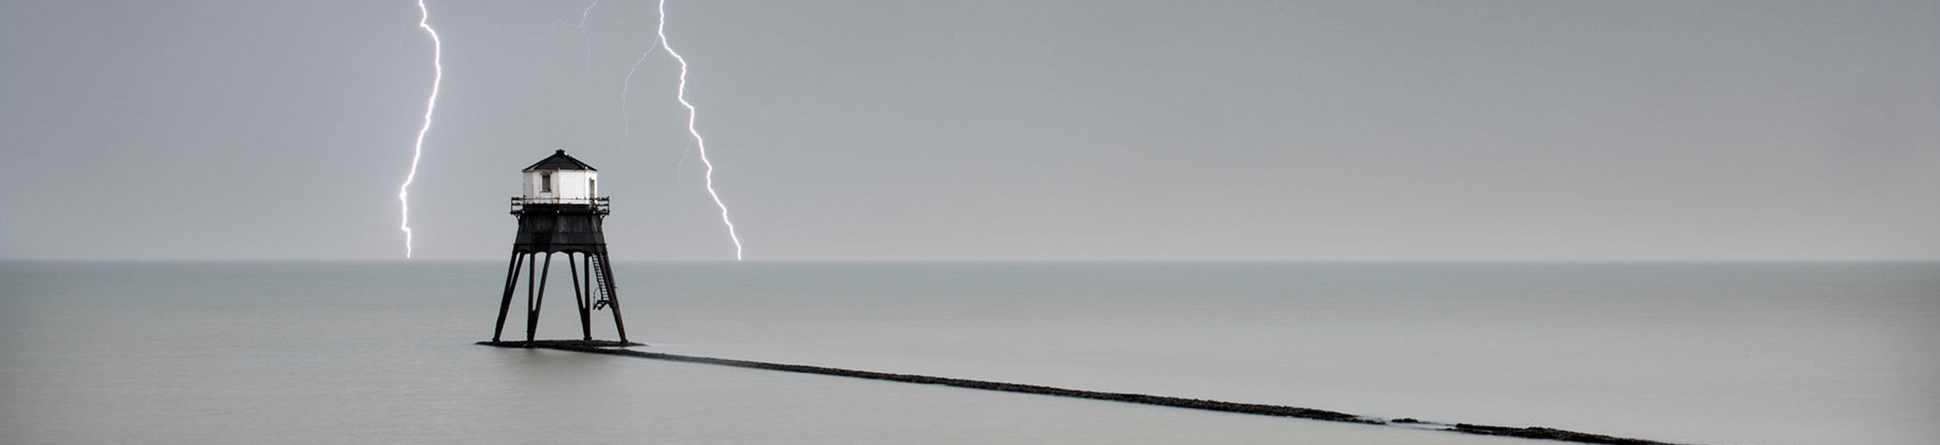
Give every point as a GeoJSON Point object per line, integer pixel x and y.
{"type": "Point", "coordinates": [610, 348]}
{"type": "Point", "coordinates": [560, 344]}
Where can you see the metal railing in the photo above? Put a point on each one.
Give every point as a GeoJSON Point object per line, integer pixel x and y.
{"type": "Point", "coordinates": [601, 204]}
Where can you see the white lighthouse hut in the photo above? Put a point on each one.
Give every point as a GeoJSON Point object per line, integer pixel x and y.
{"type": "Point", "coordinates": [560, 179]}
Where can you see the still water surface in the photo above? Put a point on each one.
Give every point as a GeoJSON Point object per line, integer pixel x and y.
{"type": "Point", "coordinates": [380, 352]}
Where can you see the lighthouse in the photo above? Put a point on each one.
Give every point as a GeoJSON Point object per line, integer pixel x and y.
{"type": "Point", "coordinates": [560, 211]}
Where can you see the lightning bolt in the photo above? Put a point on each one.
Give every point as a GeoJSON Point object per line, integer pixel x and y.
{"type": "Point", "coordinates": [699, 142]}
{"type": "Point", "coordinates": [660, 41]}
{"type": "Point", "coordinates": [626, 121]}
{"type": "Point", "coordinates": [587, 38]}
{"type": "Point", "coordinates": [417, 149]}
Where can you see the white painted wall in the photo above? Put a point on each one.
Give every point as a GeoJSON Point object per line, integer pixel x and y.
{"type": "Point", "coordinates": [568, 186]}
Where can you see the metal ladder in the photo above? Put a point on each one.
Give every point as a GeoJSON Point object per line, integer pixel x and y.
{"type": "Point", "coordinates": [599, 283]}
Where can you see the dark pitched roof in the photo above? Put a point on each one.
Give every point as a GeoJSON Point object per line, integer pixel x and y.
{"type": "Point", "coordinates": [559, 161]}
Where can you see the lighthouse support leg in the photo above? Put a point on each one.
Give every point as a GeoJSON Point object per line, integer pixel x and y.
{"type": "Point", "coordinates": [580, 296]}
{"type": "Point", "coordinates": [531, 286]}
{"type": "Point", "coordinates": [586, 311]}
{"type": "Point", "coordinates": [532, 314]}
{"type": "Point", "coordinates": [511, 284]}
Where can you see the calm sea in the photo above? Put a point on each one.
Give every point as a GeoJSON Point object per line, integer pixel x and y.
{"type": "Point", "coordinates": [381, 352]}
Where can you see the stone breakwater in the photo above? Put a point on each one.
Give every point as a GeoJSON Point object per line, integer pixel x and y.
{"type": "Point", "coordinates": [615, 348]}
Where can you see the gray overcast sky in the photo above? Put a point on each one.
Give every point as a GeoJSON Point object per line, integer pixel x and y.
{"type": "Point", "coordinates": [986, 130]}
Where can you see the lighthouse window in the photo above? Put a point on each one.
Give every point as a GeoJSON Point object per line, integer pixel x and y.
{"type": "Point", "coordinates": [545, 183]}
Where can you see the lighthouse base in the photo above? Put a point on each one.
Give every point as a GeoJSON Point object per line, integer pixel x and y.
{"type": "Point", "coordinates": [561, 344]}
{"type": "Point", "coordinates": [591, 273]}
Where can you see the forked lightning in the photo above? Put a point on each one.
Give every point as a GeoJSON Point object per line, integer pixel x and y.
{"type": "Point", "coordinates": [431, 104]}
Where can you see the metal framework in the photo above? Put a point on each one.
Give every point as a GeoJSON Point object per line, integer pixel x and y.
{"type": "Point", "coordinates": [574, 230]}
